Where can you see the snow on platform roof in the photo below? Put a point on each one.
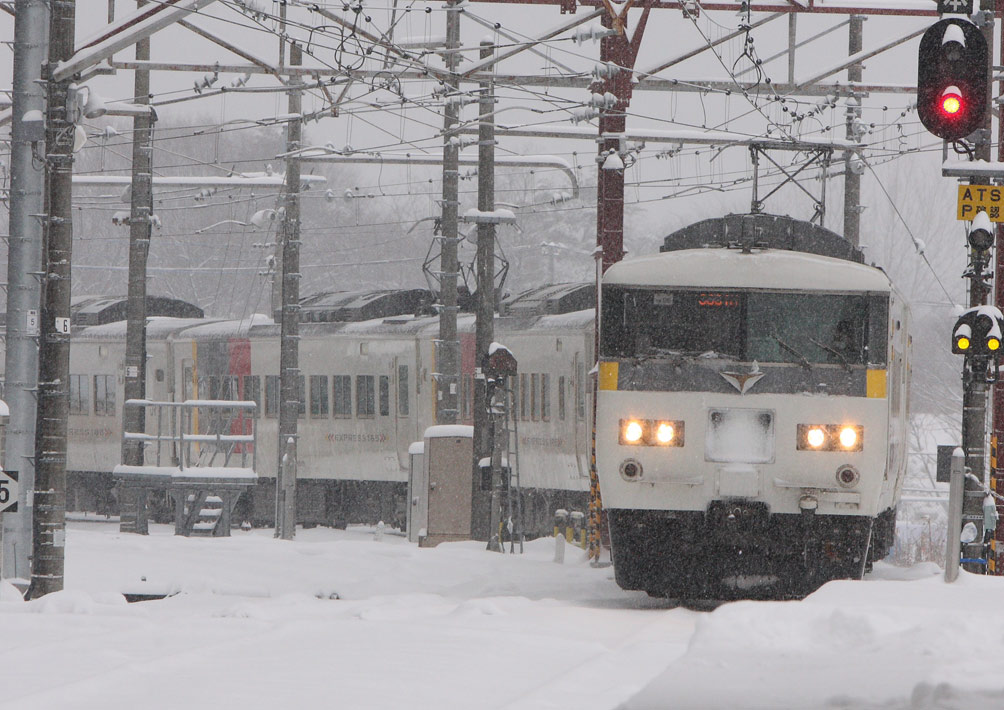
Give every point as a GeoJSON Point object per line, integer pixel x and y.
{"type": "Point", "coordinates": [732, 268]}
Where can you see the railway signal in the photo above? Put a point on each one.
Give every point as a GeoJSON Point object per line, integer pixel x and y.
{"type": "Point", "coordinates": [979, 332]}
{"type": "Point", "coordinates": [953, 81]}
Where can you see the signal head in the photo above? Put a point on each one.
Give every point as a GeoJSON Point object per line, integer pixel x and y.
{"type": "Point", "coordinates": [953, 82]}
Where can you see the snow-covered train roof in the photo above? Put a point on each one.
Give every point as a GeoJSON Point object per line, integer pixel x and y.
{"type": "Point", "coordinates": [157, 328]}
{"type": "Point", "coordinates": [336, 306]}
{"type": "Point", "coordinates": [550, 299]}
{"type": "Point", "coordinates": [733, 268]}
{"type": "Point", "coordinates": [759, 230]}
{"type": "Point", "coordinates": [98, 310]}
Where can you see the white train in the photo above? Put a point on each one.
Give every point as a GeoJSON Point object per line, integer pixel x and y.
{"type": "Point", "coordinates": [751, 411]}
{"type": "Point", "coordinates": [368, 393]}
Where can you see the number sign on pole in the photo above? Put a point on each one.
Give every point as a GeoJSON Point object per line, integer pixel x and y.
{"type": "Point", "coordinates": [8, 491]}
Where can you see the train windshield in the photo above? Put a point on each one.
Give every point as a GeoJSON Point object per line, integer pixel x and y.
{"type": "Point", "coordinates": [777, 327]}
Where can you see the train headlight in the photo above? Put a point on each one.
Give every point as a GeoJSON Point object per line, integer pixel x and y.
{"type": "Point", "coordinates": [993, 343]}
{"type": "Point", "coordinates": [848, 437]}
{"type": "Point", "coordinates": [815, 437]}
{"type": "Point", "coordinates": [665, 432]}
{"type": "Point", "coordinates": [830, 437]}
{"type": "Point", "coordinates": [632, 431]}
{"type": "Point", "coordinates": [649, 432]}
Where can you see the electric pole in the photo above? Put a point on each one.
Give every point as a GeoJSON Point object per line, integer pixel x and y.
{"type": "Point", "coordinates": [289, 347]}
{"type": "Point", "coordinates": [484, 327]}
{"type": "Point", "coordinates": [49, 527]}
{"type": "Point", "coordinates": [852, 175]}
{"type": "Point", "coordinates": [24, 264]}
{"type": "Point", "coordinates": [132, 502]}
{"type": "Point", "coordinates": [447, 346]}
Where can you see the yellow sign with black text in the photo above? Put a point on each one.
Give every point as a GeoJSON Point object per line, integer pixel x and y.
{"type": "Point", "coordinates": [977, 198]}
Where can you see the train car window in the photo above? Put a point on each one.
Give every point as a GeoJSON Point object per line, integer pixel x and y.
{"type": "Point", "coordinates": [271, 395]}
{"type": "Point", "coordinates": [342, 388]}
{"type": "Point", "coordinates": [80, 394]}
{"type": "Point", "coordinates": [534, 396]}
{"type": "Point", "coordinates": [252, 391]}
{"type": "Point", "coordinates": [104, 395]}
{"type": "Point", "coordinates": [402, 391]}
{"type": "Point", "coordinates": [301, 397]}
{"type": "Point", "coordinates": [580, 391]}
{"type": "Point", "coordinates": [524, 398]}
{"type": "Point", "coordinates": [778, 327]}
{"type": "Point", "coordinates": [365, 396]}
{"type": "Point", "coordinates": [384, 396]}
{"type": "Point", "coordinates": [319, 396]}
{"type": "Point", "coordinates": [561, 398]}
{"type": "Point", "coordinates": [545, 397]}
{"type": "Point", "coordinates": [819, 328]}
{"type": "Point", "coordinates": [186, 382]}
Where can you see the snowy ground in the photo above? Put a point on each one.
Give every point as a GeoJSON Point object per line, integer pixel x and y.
{"type": "Point", "coordinates": [253, 625]}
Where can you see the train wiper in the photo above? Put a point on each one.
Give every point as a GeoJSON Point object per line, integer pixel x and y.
{"type": "Point", "coordinates": [827, 348]}
{"type": "Point", "coordinates": [803, 361]}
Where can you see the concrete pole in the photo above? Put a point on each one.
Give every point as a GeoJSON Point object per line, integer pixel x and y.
{"type": "Point", "coordinates": [447, 346]}
{"type": "Point", "coordinates": [24, 288]}
{"type": "Point", "coordinates": [132, 501]}
{"type": "Point", "coordinates": [289, 345]}
{"type": "Point", "coordinates": [485, 318]}
{"type": "Point", "coordinates": [49, 525]}
{"type": "Point", "coordinates": [852, 180]}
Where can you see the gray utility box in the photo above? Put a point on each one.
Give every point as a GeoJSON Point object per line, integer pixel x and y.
{"type": "Point", "coordinates": [418, 493]}
{"type": "Point", "coordinates": [446, 491]}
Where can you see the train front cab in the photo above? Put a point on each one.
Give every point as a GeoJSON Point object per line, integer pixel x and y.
{"type": "Point", "coordinates": [744, 450]}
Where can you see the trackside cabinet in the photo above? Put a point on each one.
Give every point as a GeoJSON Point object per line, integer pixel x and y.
{"type": "Point", "coordinates": [418, 493]}
{"type": "Point", "coordinates": [448, 484]}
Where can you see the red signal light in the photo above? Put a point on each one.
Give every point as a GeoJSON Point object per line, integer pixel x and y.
{"type": "Point", "coordinates": [951, 101]}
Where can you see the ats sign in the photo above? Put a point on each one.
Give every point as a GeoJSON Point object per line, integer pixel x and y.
{"type": "Point", "coordinates": [988, 198]}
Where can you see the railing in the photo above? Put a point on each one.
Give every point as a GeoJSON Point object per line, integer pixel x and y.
{"type": "Point", "coordinates": [183, 432]}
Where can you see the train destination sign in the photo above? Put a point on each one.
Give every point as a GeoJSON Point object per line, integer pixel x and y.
{"type": "Point", "coordinates": [988, 198]}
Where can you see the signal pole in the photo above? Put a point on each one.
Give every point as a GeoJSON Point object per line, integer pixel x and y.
{"type": "Point", "coordinates": [994, 564]}
{"type": "Point", "coordinates": [49, 525]}
{"type": "Point", "coordinates": [974, 399]}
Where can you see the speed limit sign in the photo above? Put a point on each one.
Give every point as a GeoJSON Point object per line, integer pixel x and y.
{"type": "Point", "coordinates": [8, 491]}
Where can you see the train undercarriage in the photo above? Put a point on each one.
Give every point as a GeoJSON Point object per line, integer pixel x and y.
{"type": "Point", "coordinates": [319, 502]}
{"type": "Point", "coordinates": [738, 550]}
